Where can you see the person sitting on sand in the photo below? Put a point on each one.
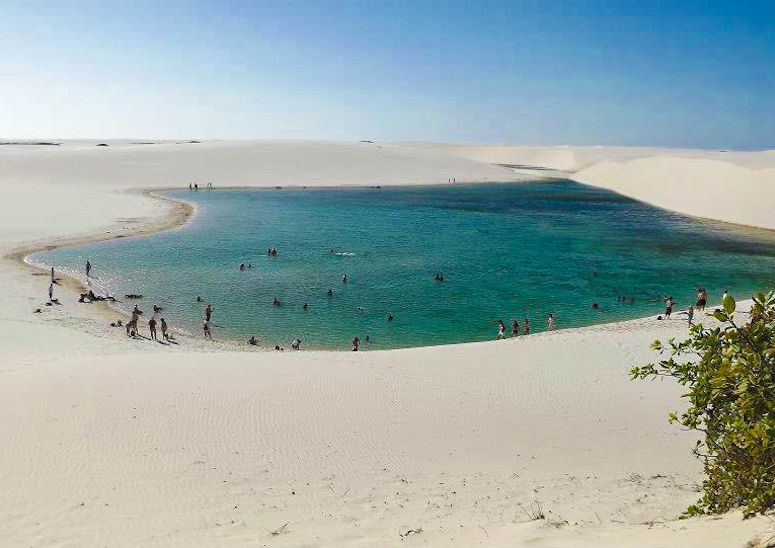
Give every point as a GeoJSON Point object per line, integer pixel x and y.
{"type": "Point", "coordinates": [514, 328]}
{"type": "Point", "coordinates": [501, 330]}
{"type": "Point", "coordinates": [164, 334]}
{"type": "Point", "coordinates": [551, 324]}
{"type": "Point", "coordinates": [152, 328]}
{"type": "Point", "coordinates": [356, 343]}
{"type": "Point", "coordinates": [206, 328]}
{"type": "Point", "coordinates": [252, 341]}
{"type": "Point", "coordinates": [296, 344]}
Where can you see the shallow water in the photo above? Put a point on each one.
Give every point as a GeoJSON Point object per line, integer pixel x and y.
{"type": "Point", "coordinates": [505, 250]}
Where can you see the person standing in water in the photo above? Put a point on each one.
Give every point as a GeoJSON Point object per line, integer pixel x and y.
{"type": "Point", "coordinates": [152, 328]}
{"type": "Point", "coordinates": [208, 312]}
{"type": "Point", "coordinates": [88, 269]}
{"type": "Point", "coordinates": [206, 328]}
{"type": "Point", "coordinates": [551, 324]}
{"type": "Point", "coordinates": [164, 330]}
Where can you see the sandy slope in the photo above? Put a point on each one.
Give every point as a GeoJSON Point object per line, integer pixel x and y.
{"type": "Point", "coordinates": [111, 441]}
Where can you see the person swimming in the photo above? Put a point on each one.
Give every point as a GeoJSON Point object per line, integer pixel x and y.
{"type": "Point", "coordinates": [252, 341]}
{"type": "Point", "coordinates": [305, 306]}
{"type": "Point", "coordinates": [330, 292]}
{"type": "Point", "coordinates": [344, 279]}
{"type": "Point", "coordinates": [275, 302]}
{"type": "Point", "coordinates": [390, 317]}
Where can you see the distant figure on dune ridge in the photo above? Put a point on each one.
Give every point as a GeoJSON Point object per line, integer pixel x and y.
{"type": "Point", "coordinates": [551, 324]}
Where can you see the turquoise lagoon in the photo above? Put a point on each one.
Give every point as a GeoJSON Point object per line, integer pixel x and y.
{"type": "Point", "coordinates": [505, 250]}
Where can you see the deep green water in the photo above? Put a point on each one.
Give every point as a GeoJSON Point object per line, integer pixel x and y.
{"type": "Point", "coordinates": [505, 250]}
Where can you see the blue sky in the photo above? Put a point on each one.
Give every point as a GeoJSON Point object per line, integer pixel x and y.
{"type": "Point", "coordinates": [698, 74]}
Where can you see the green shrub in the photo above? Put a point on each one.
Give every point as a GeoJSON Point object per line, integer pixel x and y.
{"type": "Point", "coordinates": [729, 371]}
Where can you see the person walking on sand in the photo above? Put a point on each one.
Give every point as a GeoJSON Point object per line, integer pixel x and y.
{"type": "Point", "coordinates": [356, 343]}
{"type": "Point", "coordinates": [152, 328]}
{"type": "Point", "coordinates": [514, 328]}
{"type": "Point", "coordinates": [669, 302]}
{"type": "Point", "coordinates": [53, 279]}
{"type": "Point", "coordinates": [51, 292]}
{"type": "Point", "coordinates": [551, 324]}
{"type": "Point", "coordinates": [501, 330]}
{"type": "Point", "coordinates": [206, 328]}
{"type": "Point", "coordinates": [527, 325]}
{"type": "Point", "coordinates": [690, 314]}
{"type": "Point", "coordinates": [164, 330]}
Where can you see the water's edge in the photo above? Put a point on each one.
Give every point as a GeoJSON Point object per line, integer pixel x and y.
{"type": "Point", "coordinates": [178, 214]}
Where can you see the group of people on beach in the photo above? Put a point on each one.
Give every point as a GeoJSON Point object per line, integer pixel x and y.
{"type": "Point", "coordinates": [525, 327]}
{"type": "Point", "coordinates": [195, 186]}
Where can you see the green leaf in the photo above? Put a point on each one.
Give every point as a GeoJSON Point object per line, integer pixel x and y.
{"type": "Point", "coordinates": [729, 304]}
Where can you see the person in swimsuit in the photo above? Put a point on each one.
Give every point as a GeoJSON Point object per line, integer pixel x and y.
{"type": "Point", "coordinates": [152, 328]}
{"type": "Point", "coordinates": [669, 302]}
{"type": "Point", "coordinates": [514, 328]}
{"type": "Point", "coordinates": [501, 330]}
{"type": "Point", "coordinates": [527, 326]}
{"type": "Point", "coordinates": [208, 312]}
{"type": "Point", "coordinates": [206, 328]}
{"type": "Point", "coordinates": [551, 324]}
{"type": "Point", "coordinates": [356, 344]}
{"type": "Point", "coordinates": [164, 334]}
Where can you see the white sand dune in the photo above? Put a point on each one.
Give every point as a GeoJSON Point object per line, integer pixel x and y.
{"type": "Point", "coordinates": [722, 185]}
{"type": "Point", "coordinates": [107, 440]}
